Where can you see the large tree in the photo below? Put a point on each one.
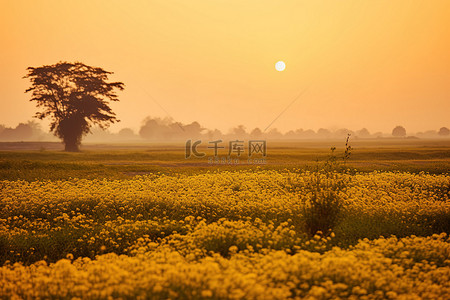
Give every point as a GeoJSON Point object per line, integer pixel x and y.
{"type": "Point", "coordinates": [399, 131]}
{"type": "Point", "coordinates": [74, 96]}
{"type": "Point", "coordinates": [444, 131]}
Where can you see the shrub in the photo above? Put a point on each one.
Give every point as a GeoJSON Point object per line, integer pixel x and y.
{"type": "Point", "coordinates": [323, 208]}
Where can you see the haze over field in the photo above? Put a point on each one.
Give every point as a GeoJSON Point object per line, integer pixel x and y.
{"type": "Point", "coordinates": [157, 129]}
{"type": "Point", "coordinates": [294, 149]}
{"type": "Point", "coordinates": [360, 64]}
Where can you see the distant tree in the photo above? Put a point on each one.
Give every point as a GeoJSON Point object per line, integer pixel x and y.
{"type": "Point", "coordinates": [166, 129]}
{"type": "Point", "coordinates": [399, 131]}
{"type": "Point", "coordinates": [444, 131]}
{"type": "Point", "coordinates": [155, 129]}
{"type": "Point", "coordinates": [239, 132]}
{"type": "Point", "coordinates": [363, 133]}
{"type": "Point", "coordinates": [322, 132]}
{"type": "Point", "coordinates": [20, 133]}
{"type": "Point", "coordinates": [309, 133]}
{"type": "Point", "coordinates": [378, 134]}
{"type": "Point", "coordinates": [126, 133]}
{"type": "Point", "coordinates": [343, 133]}
{"type": "Point", "coordinates": [24, 131]}
{"type": "Point", "coordinates": [193, 130]}
{"type": "Point", "coordinates": [291, 134]}
{"type": "Point", "coordinates": [177, 130]}
{"type": "Point", "coordinates": [256, 133]}
{"type": "Point", "coordinates": [430, 133]}
{"type": "Point", "coordinates": [214, 134]}
{"type": "Point", "coordinates": [97, 134]}
{"type": "Point", "coordinates": [75, 97]}
{"type": "Point", "coordinates": [274, 133]}
{"type": "Point", "coordinates": [36, 128]}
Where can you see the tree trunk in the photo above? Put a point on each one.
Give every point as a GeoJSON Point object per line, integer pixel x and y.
{"type": "Point", "coordinates": [71, 129]}
{"type": "Point", "coordinates": [71, 146]}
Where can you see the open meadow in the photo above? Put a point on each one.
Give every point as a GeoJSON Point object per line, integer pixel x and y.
{"type": "Point", "coordinates": [142, 222]}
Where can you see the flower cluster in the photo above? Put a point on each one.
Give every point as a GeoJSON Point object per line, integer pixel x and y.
{"type": "Point", "coordinates": [408, 268]}
{"type": "Point", "coordinates": [231, 235]}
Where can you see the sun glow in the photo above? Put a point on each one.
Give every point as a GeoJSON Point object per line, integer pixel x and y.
{"type": "Point", "coordinates": [280, 66]}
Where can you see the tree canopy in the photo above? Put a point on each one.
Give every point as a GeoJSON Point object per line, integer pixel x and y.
{"type": "Point", "coordinates": [75, 97]}
{"type": "Point", "coordinates": [444, 131]}
{"type": "Point", "coordinates": [399, 131]}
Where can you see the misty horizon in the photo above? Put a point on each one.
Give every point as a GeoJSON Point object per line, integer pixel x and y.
{"type": "Point", "coordinates": [157, 129]}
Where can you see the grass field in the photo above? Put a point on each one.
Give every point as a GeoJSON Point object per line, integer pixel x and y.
{"type": "Point", "coordinates": [30, 161]}
{"type": "Point", "coordinates": [141, 221]}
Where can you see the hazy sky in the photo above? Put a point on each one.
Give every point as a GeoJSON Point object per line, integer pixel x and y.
{"type": "Point", "coordinates": [373, 64]}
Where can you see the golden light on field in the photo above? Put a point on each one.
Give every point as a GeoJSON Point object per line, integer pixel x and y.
{"type": "Point", "coordinates": [297, 201]}
{"type": "Point", "coordinates": [189, 235]}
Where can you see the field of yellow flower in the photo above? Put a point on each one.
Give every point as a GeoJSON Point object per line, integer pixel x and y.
{"type": "Point", "coordinates": [225, 235]}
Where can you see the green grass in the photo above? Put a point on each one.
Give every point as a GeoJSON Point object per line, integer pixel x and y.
{"type": "Point", "coordinates": [123, 161]}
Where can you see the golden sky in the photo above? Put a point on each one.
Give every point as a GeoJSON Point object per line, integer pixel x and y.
{"type": "Point", "coordinates": [373, 64]}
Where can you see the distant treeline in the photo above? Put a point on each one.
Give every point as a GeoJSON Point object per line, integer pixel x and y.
{"type": "Point", "coordinates": [30, 131]}
{"type": "Point", "coordinates": [157, 129]}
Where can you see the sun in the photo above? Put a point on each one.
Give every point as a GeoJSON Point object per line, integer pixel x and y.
{"type": "Point", "coordinates": [280, 66]}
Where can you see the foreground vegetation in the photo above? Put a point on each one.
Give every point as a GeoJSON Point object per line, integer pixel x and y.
{"type": "Point", "coordinates": [409, 268]}
{"type": "Point", "coordinates": [222, 234]}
